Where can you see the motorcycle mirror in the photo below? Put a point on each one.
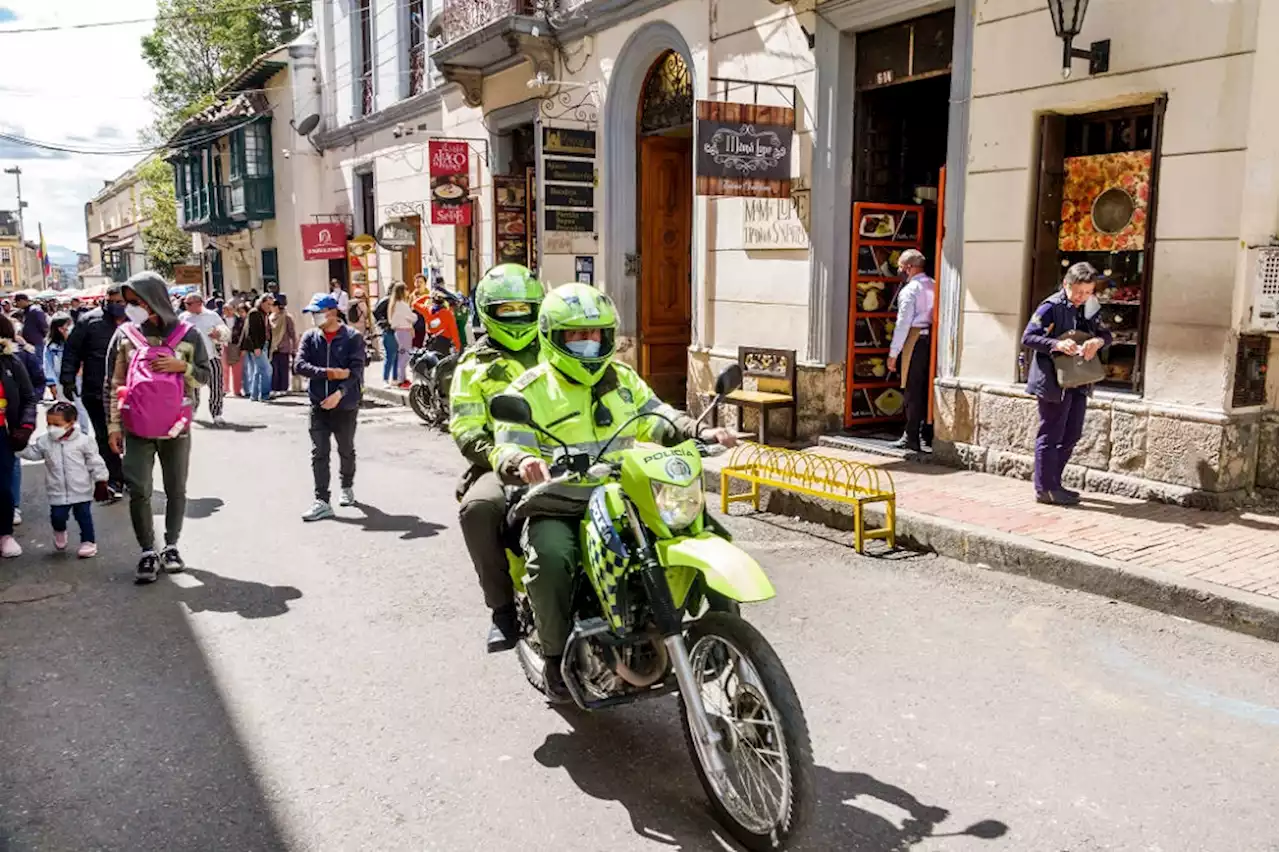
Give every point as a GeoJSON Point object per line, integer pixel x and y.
{"type": "Point", "coordinates": [511, 409]}
{"type": "Point", "coordinates": [729, 380]}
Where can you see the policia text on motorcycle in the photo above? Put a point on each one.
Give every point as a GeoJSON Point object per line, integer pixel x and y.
{"type": "Point", "coordinates": [579, 396]}
{"type": "Point", "coordinates": [507, 299]}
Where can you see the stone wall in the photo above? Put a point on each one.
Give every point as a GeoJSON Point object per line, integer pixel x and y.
{"type": "Point", "coordinates": [1130, 447]}
{"type": "Point", "coordinates": [819, 393]}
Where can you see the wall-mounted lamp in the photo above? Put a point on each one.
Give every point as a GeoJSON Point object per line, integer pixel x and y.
{"type": "Point", "coordinates": [1068, 19]}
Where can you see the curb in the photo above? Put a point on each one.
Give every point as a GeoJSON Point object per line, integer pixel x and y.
{"type": "Point", "coordinates": [391, 396]}
{"type": "Point", "coordinates": [1186, 597]}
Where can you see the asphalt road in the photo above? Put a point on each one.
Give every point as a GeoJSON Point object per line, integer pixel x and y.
{"type": "Point", "coordinates": [323, 687]}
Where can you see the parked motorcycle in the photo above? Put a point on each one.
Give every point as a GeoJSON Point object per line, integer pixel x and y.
{"type": "Point", "coordinates": [431, 367]}
{"type": "Point", "coordinates": [656, 611]}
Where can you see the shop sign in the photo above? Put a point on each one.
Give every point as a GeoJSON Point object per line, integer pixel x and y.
{"type": "Point", "coordinates": [581, 221]}
{"type": "Point", "coordinates": [511, 218]}
{"type": "Point", "coordinates": [324, 241]}
{"type": "Point", "coordinates": [449, 164]}
{"type": "Point", "coordinates": [569, 171]}
{"type": "Point", "coordinates": [570, 195]}
{"type": "Point", "coordinates": [776, 223]}
{"type": "Point", "coordinates": [567, 142]}
{"type": "Point", "coordinates": [186, 273]}
{"type": "Point", "coordinates": [744, 149]}
{"type": "Point", "coordinates": [397, 236]}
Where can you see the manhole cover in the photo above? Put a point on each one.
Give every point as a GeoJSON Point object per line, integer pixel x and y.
{"type": "Point", "coordinates": [28, 592]}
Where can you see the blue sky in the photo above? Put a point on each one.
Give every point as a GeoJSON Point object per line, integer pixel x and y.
{"type": "Point", "coordinates": [92, 93]}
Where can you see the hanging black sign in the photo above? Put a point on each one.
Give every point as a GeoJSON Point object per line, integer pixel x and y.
{"type": "Point", "coordinates": [565, 142]}
{"type": "Point", "coordinates": [581, 221]}
{"type": "Point", "coordinates": [570, 196]}
{"type": "Point", "coordinates": [744, 149]}
{"type": "Point", "coordinates": [569, 171]}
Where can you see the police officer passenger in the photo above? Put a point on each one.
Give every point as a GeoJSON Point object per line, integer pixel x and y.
{"type": "Point", "coordinates": [581, 397]}
{"type": "Point", "coordinates": [507, 298]}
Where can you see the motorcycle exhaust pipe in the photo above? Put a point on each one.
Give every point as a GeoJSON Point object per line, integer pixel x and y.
{"type": "Point", "coordinates": [637, 679]}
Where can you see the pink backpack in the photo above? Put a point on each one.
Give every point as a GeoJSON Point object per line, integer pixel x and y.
{"type": "Point", "coordinates": [154, 404]}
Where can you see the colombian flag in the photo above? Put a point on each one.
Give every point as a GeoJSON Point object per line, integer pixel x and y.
{"type": "Point", "coordinates": [44, 256]}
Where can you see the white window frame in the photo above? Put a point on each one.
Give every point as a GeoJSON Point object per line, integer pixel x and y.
{"type": "Point", "coordinates": [6, 256]}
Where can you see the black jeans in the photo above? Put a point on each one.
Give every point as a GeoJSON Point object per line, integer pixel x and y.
{"type": "Point", "coordinates": [917, 390]}
{"type": "Point", "coordinates": [97, 408]}
{"type": "Point", "coordinates": [58, 516]}
{"type": "Point", "coordinates": [340, 423]}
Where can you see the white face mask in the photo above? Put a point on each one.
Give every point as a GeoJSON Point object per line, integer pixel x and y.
{"type": "Point", "coordinates": [584, 348]}
{"type": "Point", "coordinates": [57, 433]}
{"type": "Point", "coordinates": [136, 313]}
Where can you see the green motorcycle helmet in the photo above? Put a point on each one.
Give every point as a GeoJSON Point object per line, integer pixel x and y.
{"type": "Point", "coordinates": [507, 299]}
{"type": "Point", "coordinates": [572, 308]}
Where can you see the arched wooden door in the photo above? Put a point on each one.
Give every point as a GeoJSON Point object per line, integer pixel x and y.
{"type": "Point", "coordinates": [665, 222]}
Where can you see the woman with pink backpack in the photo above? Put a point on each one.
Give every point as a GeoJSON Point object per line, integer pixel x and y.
{"type": "Point", "coordinates": [154, 365]}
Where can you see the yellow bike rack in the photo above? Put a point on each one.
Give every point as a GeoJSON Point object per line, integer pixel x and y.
{"type": "Point", "coordinates": [815, 475]}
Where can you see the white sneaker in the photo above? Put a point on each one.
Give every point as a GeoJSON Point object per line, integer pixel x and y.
{"type": "Point", "coordinates": [318, 512]}
{"type": "Point", "coordinates": [9, 547]}
{"type": "Point", "coordinates": [348, 497]}
{"type": "Point", "coordinates": [17, 517]}
{"type": "Point", "coordinates": [219, 421]}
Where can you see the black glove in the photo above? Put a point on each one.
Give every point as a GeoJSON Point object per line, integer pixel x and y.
{"type": "Point", "coordinates": [19, 437]}
{"type": "Point", "coordinates": [69, 391]}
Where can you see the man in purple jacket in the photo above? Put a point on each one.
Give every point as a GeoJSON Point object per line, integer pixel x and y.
{"type": "Point", "coordinates": [1072, 308]}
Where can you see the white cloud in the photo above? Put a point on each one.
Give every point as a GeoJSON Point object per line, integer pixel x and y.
{"type": "Point", "coordinates": [87, 87]}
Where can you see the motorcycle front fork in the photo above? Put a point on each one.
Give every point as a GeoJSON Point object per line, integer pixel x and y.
{"type": "Point", "coordinates": [670, 623]}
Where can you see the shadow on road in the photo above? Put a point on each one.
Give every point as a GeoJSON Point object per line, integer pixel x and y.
{"type": "Point", "coordinates": [245, 598]}
{"type": "Point", "coordinates": [376, 520]}
{"type": "Point", "coordinates": [639, 763]}
{"type": "Point", "coordinates": [115, 735]}
{"type": "Point", "coordinates": [197, 507]}
{"type": "Point", "coordinates": [232, 427]}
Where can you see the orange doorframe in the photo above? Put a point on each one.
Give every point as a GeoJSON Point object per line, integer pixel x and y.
{"type": "Point", "coordinates": [937, 287]}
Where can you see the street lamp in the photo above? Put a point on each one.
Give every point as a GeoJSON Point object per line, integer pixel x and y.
{"type": "Point", "coordinates": [1068, 19]}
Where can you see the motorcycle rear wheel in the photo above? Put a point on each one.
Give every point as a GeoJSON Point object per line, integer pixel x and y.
{"type": "Point", "coordinates": [420, 402]}
{"type": "Point", "coordinates": [764, 744]}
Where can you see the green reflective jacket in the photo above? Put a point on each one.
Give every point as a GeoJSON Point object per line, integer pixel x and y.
{"type": "Point", "coordinates": [484, 371]}
{"type": "Point", "coordinates": [566, 409]}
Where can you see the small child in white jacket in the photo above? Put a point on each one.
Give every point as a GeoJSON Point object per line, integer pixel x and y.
{"type": "Point", "coordinates": [73, 473]}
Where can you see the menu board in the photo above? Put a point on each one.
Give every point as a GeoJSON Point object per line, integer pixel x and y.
{"type": "Point", "coordinates": [569, 192]}
{"type": "Point", "coordinates": [511, 219]}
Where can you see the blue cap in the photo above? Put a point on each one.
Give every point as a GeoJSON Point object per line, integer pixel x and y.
{"type": "Point", "coordinates": [321, 302]}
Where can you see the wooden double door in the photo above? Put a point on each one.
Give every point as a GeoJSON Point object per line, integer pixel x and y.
{"type": "Point", "coordinates": [666, 237]}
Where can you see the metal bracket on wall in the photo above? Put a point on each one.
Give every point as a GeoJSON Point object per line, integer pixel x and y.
{"type": "Point", "coordinates": [540, 52]}
{"type": "Point", "coordinates": [631, 264]}
{"type": "Point", "coordinates": [564, 107]}
{"type": "Point", "coordinates": [404, 209]}
{"type": "Point", "coordinates": [719, 87]}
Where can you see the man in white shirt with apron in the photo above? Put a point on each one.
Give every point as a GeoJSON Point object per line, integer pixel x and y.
{"type": "Point", "coordinates": [911, 341]}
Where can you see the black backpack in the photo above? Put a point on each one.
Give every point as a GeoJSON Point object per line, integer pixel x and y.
{"type": "Point", "coordinates": [380, 313]}
{"type": "Point", "coordinates": [353, 311]}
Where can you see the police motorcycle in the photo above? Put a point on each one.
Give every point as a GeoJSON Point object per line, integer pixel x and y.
{"type": "Point", "coordinates": [431, 370]}
{"type": "Point", "coordinates": [656, 611]}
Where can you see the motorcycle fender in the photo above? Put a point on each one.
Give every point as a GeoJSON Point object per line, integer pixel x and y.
{"type": "Point", "coordinates": [727, 569]}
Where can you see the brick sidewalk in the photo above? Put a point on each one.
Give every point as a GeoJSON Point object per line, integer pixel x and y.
{"type": "Point", "coordinates": [1237, 549]}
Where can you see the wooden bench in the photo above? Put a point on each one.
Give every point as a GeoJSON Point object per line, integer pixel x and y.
{"type": "Point", "coordinates": [774, 372]}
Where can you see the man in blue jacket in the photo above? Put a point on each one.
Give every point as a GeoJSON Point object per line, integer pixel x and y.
{"type": "Point", "coordinates": [331, 356]}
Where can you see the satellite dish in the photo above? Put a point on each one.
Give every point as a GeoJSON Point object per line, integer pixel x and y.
{"type": "Point", "coordinates": [307, 124]}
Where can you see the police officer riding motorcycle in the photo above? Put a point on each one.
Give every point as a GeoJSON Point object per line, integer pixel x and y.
{"type": "Point", "coordinates": [507, 300]}
{"type": "Point", "coordinates": [581, 397]}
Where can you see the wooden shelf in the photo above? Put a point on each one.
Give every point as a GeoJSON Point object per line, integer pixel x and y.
{"type": "Point", "coordinates": [869, 279]}
{"type": "Point", "coordinates": [911, 242]}
{"type": "Point", "coordinates": [869, 350]}
{"type": "Point", "coordinates": [877, 314]}
{"type": "Point", "coordinates": [858, 384]}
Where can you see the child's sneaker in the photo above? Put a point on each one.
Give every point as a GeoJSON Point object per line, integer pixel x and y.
{"type": "Point", "coordinates": [87, 550]}
{"type": "Point", "coordinates": [59, 540]}
{"type": "Point", "coordinates": [9, 547]}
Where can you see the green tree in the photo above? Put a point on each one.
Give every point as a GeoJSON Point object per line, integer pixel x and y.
{"type": "Point", "coordinates": [197, 46]}
{"type": "Point", "coordinates": [167, 244]}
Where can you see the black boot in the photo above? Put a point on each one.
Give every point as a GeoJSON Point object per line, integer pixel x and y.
{"type": "Point", "coordinates": [553, 683]}
{"type": "Point", "coordinates": [504, 631]}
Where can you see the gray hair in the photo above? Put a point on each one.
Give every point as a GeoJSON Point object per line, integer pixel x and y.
{"type": "Point", "coordinates": [1079, 273]}
{"type": "Point", "coordinates": [911, 257]}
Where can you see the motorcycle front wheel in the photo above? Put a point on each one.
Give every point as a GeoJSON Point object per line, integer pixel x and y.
{"type": "Point", "coordinates": [766, 792]}
{"type": "Point", "coordinates": [420, 402]}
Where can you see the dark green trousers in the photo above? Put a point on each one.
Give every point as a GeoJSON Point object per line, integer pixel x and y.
{"type": "Point", "coordinates": [139, 470]}
{"type": "Point", "coordinates": [553, 555]}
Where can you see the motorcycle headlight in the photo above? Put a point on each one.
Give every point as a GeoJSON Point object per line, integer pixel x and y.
{"type": "Point", "coordinates": [678, 505]}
